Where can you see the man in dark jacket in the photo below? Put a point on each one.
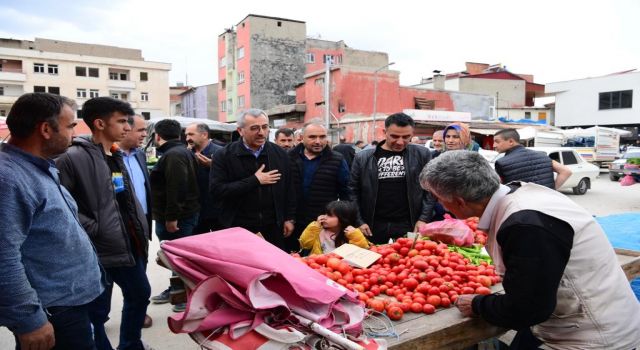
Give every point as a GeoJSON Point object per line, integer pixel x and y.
{"type": "Point", "coordinates": [174, 190]}
{"type": "Point", "coordinates": [384, 183]}
{"type": "Point", "coordinates": [94, 173]}
{"type": "Point", "coordinates": [348, 151]}
{"type": "Point", "coordinates": [319, 175]}
{"type": "Point", "coordinates": [197, 136]}
{"type": "Point", "coordinates": [251, 177]}
{"type": "Point", "coordinates": [522, 164]}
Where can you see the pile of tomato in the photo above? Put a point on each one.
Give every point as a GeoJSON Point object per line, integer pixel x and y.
{"type": "Point", "coordinates": [479, 235]}
{"type": "Point", "coordinates": [409, 278]}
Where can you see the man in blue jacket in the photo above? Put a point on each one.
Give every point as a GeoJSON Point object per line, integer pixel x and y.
{"type": "Point", "coordinates": [49, 270]}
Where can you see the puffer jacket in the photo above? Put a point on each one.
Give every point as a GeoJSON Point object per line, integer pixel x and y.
{"type": "Point", "coordinates": [310, 238]}
{"type": "Point", "coordinates": [364, 184]}
{"type": "Point", "coordinates": [86, 175]}
{"type": "Point", "coordinates": [522, 164]}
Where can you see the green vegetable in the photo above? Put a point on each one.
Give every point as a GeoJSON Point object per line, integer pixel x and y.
{"type": "Point", "coordinates": [473, 253]}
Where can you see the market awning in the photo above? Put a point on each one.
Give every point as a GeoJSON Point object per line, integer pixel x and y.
{"type": "Point", "coordinates": [485, 131]}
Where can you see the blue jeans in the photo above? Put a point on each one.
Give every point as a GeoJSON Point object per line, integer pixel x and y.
{"type": "Point", "coordinates": [186, 227]}
{"type": "Point", "coordinates": [136, 291]}
{"type": "Point", "coordinates": [71, 327]}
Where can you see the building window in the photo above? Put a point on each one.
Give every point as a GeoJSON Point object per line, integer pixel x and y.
{"type": "Point", "coordinates": [144, 76]}
{"type": "Point", "coordinates": [615, 99]}
{"type": "Point", "coordinates": [3, 113]}
{"type": "Point", "coordinates": [124, 97]}
{"type": "Point", "coordinates": [81, 71]}
{"type": "Point", "coordinates": [1, 90]}
{"type": "Point", "coordinates": [81, 93]}
{"type": "Point", "coordinates": [123, 76]}
{"type": "Point", "coordinates": [223, 106]}
{"type": "Point", "coordinates": [113, 76]}
{"type": "Point", "coordinates": [240, 77]}
{"type": "Point", "coordinates": [279, 24]}
{"type": "Point", "coordinates": [93, 93]}
{"type": "Point", "coordinates": [319, 81]}
{"type": "Point", "coordinates": [52, 69]}
{"type": "Point", "coordinates": [39, 89]}
{"type": "Point", "coordinates": [223, 84]}
{"type": "Point", "coordinates": [342, 108]}
{"type": "Point", "coordinates": [240, 52]}
{"type": "Point", "coordinates": [144, 96]}
{"type": "Point", "coordinates": [311, 58]}
{"type": "Point", "coordinates": [94, 72]}
{"type": "Point", "coordinates": [146, 115]}
{"type": "Point", "coordinates": [114, 95]}
{"type": "Point", "coordinates": [568, 158]}
{"type": "Point", "coordinates": [54, 90]}
{"type": "Point", "coordinates": [527, 115]}
{"type": "Point", "coordinates": [327, 58]}
{"type": "Point", "coordinates": [241, 101]}
{"type": "Point", "coordinates": [38, 67]}
{"type": "Point", "coordinates": [230, 105]}
{"type": "Point", "coordinates": [223, 62]}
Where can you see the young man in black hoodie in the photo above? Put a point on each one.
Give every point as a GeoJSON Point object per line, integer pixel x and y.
{"type": "Point", "coordinates": [93, 171]}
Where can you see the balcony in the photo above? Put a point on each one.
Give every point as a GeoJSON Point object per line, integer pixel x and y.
{"type": "Point", "coordinates": [4, 99]}
{"type": "Point", "coordinates": [122, 84]}
{"type": "Point", "coordinates": [12, 76]}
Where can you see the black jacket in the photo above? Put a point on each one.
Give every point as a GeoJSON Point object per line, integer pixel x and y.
{"type": "Point", "coordinates": [348, 151]}
{"type": "Point", "coordinates": [325, 186]}
{"type": "Point", "coordinates": [85, 173]}
{"type": "Point", "coordinates": [364, 183]}
{"type": "Point", "coordinates": [233, 183]}
{"type": "Point", "coordinates": [522, 164]}
{"type": "Point", "coordinates": [174, 187]}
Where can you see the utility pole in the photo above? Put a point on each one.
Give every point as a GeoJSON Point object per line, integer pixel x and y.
{"type": "Point", "coordinates": [327, 83]}
{"type": "Point", "coordinates": [375, 95]}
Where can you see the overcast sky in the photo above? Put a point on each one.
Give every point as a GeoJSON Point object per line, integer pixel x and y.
{"type": "Point", "coordinates": [553, 40]}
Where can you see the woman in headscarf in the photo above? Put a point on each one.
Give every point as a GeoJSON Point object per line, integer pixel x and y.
{"type": "Point", "coordinates": [457, 136]}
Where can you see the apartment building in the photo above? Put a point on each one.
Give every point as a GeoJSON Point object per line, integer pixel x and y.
{"type": "Point", "coordinates": [82, 71]}
{"type": "Point", "coordinates": [200, 102]}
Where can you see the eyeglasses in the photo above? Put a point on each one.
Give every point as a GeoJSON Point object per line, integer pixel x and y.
{"type": "Point", "coordinates": [256, 128]}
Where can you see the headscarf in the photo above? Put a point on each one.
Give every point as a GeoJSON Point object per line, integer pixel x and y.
{"type": "Point", "coordinates": [463, 131]}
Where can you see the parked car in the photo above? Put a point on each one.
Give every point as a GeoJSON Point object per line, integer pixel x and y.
{"type": "Point", "coordinates": [583, 173]}
{"type": "Point", "coordinates": [617, 166]}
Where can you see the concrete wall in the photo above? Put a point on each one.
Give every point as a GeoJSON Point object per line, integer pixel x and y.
{"type": "Point", "coordinates": [277, 59]}
{"type": "Point", "coordinates": [449, 84]}
{"type": "Point", "coordinates": [49, 45]}
{"type": "Point", "coordinates": [511, 92]}
{"type": "Point", "coordinates": [201, 102]}
{"type": "Point", "coordinates": [157, 85]}
{"type": "Point", "coordinates": [480, 106]}
{"type": "Point", "coordinates": [212, 102]}
{"type": "Point", "coordinates": [577, 100]}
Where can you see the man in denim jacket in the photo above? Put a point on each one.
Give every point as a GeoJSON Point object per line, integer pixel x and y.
{"type": "Point", "coordinates": [48, 268]}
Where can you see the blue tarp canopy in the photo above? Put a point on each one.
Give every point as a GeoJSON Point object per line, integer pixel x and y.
{"type": "Point", "coordinates": [623, 231]}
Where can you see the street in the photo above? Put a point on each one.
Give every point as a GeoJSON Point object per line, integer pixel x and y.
{"type": "Point", "coordinates": [605, 198]}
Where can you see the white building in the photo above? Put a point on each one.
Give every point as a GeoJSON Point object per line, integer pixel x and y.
{"type": "Point", "coordinates": [611, 100]}
{"type": "Point", "coordinates": [82, 71]}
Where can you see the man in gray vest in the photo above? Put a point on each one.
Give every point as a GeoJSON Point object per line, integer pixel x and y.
{"type": "Point", "coordinates": [522, 164]}
{"type": "Point", "coordinates": [564, 288]}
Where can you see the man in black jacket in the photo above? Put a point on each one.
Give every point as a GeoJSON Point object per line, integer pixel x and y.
{"type": "Point", "coordinates": [319, 175]}
{"type": "Point", "coordinates": [174, 190]}
{"type": "Point", "coordinates": [94, 173]}
{"type": "Point", "coordinates": [522, 164]}
{"type": "Point", "coordinates": [251, 177]}
{"type": "Point", "coordinates": [384, 183]}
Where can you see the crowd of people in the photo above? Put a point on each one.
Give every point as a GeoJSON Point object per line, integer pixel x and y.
{"type": "Point", "coordinates": [78, 214]}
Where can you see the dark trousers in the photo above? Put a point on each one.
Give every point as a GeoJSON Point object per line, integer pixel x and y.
{"type": "Point", "coordinates": [71, 326]}
{"type": "Point", "coordinates": [382, 230]}
{"type": "Point", "coordinates": [273, 233]}
{"type": "Point", "coordinates": [136, 291]}
{"type": "Point", "coordinates": [186, 228]}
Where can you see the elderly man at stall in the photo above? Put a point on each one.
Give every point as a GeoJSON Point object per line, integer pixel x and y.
{"type": "Point", "coordinates": [564, 288]}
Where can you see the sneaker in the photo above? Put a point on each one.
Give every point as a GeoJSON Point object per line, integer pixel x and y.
{"type": "Point", "coordinates": [179, 307]}
{"type": "Point", "coordinates": [162, 298]}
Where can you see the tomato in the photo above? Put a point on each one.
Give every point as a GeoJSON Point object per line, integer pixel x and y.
{"type": "Point", "coordinates": [405, 306]}
{"type": "Point", "coordinates": [428, 309]}
{"type": "Point", "coordinates": [376, 304]}
{"type": "Point", "coordinates": [483, 291]}
{"type": "Point", "coordinates": [410, 283]}
{"type": "Point", "coordinates": [467, 290]}
{"type": "Point", "coordinates": [363, 297]}
{"type": "Point", "coordinates": [445, 302]}
{"type": "Point", "coordinates": [420, 300]}
{"type": "Point", "coordinates": [434, 300]}
{"type": "Point", "coordinates": [484, 280]}
{"type": "Point", "coordinates": [416, 307]}
{"type": "Point", "coordinates": [420, 265]}
{"type": "Point", "coordinates": [454, 298]}
{"type": "Point", "coordinates": [333, 263]}
{"type": "Point", "coordinates": [413, 252]}
{"type": "Point", "coordinates": [395, 313]}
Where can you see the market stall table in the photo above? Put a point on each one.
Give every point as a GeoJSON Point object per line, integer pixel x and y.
{"type": "Point", "coordinates": [447, 328]}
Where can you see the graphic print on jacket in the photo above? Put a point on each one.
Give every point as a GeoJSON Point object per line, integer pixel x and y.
{"type": "Point", "coordinates": [392, 203]}
{"type": "Point", "coordinates": [391, 167]}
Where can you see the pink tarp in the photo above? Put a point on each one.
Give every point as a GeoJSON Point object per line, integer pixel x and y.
{"type": "Point", "coordinates": [244, 281]}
